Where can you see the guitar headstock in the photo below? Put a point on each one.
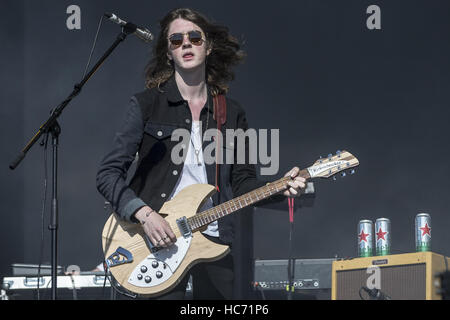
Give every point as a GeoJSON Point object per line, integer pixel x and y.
{"type": "Point", "coordinates": [333, 164]}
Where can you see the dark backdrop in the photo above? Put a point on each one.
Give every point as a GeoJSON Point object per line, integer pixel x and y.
{"type": "Point", "coordinates": [313, 70]}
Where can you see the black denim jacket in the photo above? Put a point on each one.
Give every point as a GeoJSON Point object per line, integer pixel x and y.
{"type": "Point", "coordinates": [151, 118]}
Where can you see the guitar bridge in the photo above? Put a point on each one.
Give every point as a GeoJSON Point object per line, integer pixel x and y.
{"type": "Point", "coordinates": [184, 227]}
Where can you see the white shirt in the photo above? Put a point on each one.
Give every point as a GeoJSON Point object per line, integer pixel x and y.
{"type": "Point", "coordinates": [194, 171]}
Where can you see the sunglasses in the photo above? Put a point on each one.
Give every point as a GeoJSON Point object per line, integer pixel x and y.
{"type": "Point", "coordinates": [176, 39]}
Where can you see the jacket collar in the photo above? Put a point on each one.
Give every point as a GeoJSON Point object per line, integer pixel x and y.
{"type": "Point", "coordinates": [174, 97]}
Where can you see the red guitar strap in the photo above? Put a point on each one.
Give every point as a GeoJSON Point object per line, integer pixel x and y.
{"type": "Point", "coordinates": [220, 115]}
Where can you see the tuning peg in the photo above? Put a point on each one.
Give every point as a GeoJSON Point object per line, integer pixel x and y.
{"type": "Point", "coordinates": [343, 174]}
{"type": "Point", "coordinates": [334, 178]}
{"type": "Point", "coordinates": [338, 153]}
{"type": "Point", "coordinates": [352, 171]}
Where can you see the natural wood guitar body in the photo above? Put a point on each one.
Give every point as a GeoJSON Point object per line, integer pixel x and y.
{"type": "Point", "coordinates": [130, 236]}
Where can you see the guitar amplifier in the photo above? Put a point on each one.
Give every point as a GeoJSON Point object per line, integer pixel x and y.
{"type": "Point", "coordinates": [409, 276]}
{"type": "Point", "coordinates": [311, 278]}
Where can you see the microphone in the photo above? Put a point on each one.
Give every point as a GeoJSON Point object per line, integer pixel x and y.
{"type": "Point", "coordinates": [142, 33]}
{"type": "Point", "coordinates": [376, 294]}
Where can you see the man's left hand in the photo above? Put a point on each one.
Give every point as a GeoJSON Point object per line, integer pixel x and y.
{"type": "Point", "coordinates": [297, 184]}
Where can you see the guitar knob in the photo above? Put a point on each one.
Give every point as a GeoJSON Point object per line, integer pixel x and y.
{"type": "Point", "coordinates": [155, 264]}
{"type": "Point", "coordinates": [143, 269]}
{"type": "Point", "coordinates": [159, 274]}
{"type": "Point", "coordinates": [148, 279]}
{"type": "Point", "coordinates": [139, 276]}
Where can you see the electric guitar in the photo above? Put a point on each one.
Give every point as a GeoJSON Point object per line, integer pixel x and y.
{"type": "Point", "coordinates": [151, 271]}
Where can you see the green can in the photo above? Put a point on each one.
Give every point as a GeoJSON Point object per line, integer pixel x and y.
{"type": "Point", "coordinates": [365, 239]}
{"type": "Point", "coordinates": [383, 236]}
{"type": "Point", "coordinates": [423, 232]}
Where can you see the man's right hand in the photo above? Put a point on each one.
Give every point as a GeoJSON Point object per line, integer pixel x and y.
{"type": "Point", "coordinates": [155, 227]}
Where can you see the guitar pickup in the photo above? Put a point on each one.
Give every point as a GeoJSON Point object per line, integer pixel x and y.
{"type": "Point", "coordinates": [152, 247]}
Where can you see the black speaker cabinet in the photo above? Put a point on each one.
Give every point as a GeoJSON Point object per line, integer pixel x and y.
{"type": "Point", "coordinates": [409, 276]}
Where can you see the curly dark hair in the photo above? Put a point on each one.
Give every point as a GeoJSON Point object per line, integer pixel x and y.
{"type": "Point", "coordinates": [225, 52]}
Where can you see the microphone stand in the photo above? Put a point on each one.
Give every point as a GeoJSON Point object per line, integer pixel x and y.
{"type": "Point", "coordinates": [291, 260]}
{"type": "Point", "coordinates": [52, 126]}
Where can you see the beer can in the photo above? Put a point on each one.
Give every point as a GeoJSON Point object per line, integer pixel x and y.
{"type": "Point", "coordinates": [382, 236]}
{"type": "Point", "coordinates": [423, 232]}
{"type": "Point", "coordinates": [365, 242]}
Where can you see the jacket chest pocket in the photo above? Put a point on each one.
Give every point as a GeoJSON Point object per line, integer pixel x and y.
{"type": "Point", "coordinates": [156, 145]}
{"type": "Point", "coordinates": [159, 131]}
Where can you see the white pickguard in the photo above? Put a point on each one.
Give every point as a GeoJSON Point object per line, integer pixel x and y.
{"type": "Point", "coordinates": [160, 266]}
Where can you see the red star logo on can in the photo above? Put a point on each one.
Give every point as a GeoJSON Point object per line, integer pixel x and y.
{"type": "Point", "coordinates": [380, 234]}
{"type": "Point", "coordinates": [426, 230]}
{"type": "Point", "coordinates": [363, 236]}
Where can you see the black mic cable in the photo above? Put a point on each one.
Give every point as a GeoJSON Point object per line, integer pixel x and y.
{"type": "Point", "coordinates": [374, 294]}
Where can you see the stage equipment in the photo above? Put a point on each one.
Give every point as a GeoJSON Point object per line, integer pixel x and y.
{"type": "Point", "coordinates": [408, 276]}
{"type": "Point", "coordinates": [142, 33]}
{"type": "Point", "coordinates": [311, 278]}
{"type": "Point", "coordinates": [83, 286]}
{"type": "Point", "coordinates": [444, 284]}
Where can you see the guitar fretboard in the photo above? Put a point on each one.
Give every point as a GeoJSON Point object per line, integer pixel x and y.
{"type": "Point", "coordinates": [206, 217]}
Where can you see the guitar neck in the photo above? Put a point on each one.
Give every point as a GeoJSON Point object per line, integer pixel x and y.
{"type": "Point", "coordinates": [206, 217]}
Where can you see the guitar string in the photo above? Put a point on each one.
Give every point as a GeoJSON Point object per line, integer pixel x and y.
{"type": "Point", "coordinates": [233, 204]}
{"type": "Point", "coordinates": [266, 191]}
{"type": "Point", "coordinates": [140, 242]}
{"type": "Point", "coordinates": [250, 198]}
